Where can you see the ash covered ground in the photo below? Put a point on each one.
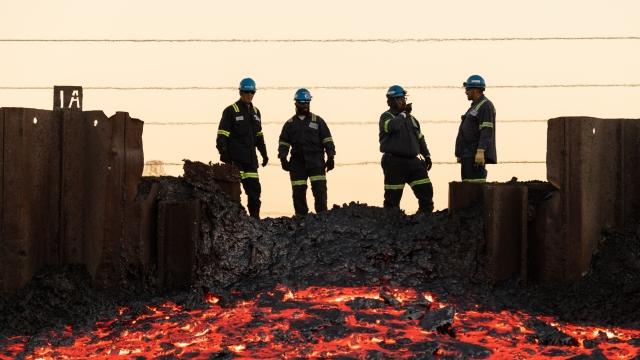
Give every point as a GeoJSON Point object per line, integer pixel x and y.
{"type": "Point", "coordinates": [351, 245]}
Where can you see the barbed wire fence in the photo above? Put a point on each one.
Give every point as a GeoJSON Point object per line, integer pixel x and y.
{"type": "Point", "coordinates": [327, 87]}
{"type": "Point", "coordinates": [328, 40]}
{"type": "Point", "coordinates": [324, 87]}
{"type": "Point", "coordinates": [358, 163]}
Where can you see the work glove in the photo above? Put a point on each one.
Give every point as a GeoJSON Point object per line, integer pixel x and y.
{"type": "Point", "coordinates": [479, 161]}
{"type": "Point", "coordinates": [265, 160]}
{"type": "Point", "coordinates": [408, 108]}
{"type": "Point", "coordinates": [286, 166]}
{"type": "Point", "coordinates": [224, 157]}
{"type": "Point", "coordinates": [330, 164]}
{"type": "Point", "coordinates": [427, 162]}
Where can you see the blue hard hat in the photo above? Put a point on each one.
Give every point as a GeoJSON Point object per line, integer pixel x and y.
{"type": "Point", "coordinates": [396, 91]}
{"type": "Point", "coordinates": [302, 95]}
{"type": "Point", "coordinates": [247, 84]}
{"type": "Point", "coordinates": [474, 81]}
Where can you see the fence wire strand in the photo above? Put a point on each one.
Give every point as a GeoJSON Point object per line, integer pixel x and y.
{"type": "Point", "coordinates": [329, 40]}
{"type": "Point", "coordinates": [322, 87]}
{"type": "Point", "coordinates": [364, 163]}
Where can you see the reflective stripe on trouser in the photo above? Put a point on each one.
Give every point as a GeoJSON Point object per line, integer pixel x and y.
{"type": "Point", "coordinates": [251, 184]}
{"type": "Point", "coordinates": [469, 172]}
{"type": "Point", "coordinates": [399, 171]}
{"type": "Point", "coordinates": [299, 175]}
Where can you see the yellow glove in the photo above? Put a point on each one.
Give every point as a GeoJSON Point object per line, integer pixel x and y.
{"type": "Point", "coordinates": [479, 157]}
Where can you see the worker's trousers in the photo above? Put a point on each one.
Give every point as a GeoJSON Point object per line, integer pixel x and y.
{"type": "Point", "coordinates": [470, 172]}
{"type": "Point", "coordinates": [251, 184]}
{"type": "Point", "coordinates": [299, 174]}
{"type": "Point", "coordinates": [399, 171]}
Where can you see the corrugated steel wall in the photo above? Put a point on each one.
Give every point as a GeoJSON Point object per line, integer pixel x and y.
{"type": "Point", "coordinates": [69, 181]}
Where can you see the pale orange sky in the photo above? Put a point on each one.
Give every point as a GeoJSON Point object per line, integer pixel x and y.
{"type": "Point", "coordinates": [314, 64]}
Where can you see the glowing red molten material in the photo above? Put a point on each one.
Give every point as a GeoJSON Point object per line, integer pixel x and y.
{"type": "Point", "coordinates": [170, 330]}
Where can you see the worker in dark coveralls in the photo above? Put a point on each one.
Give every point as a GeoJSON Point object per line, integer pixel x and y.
{"type": "Point", "coordinates": [309, 138]}
{"type": "Point", "coordinates": [476, 140]}
{"type": "Point", "coordinates": [239, 135]}
{"type": "Point", "coordinates": [401, 142]}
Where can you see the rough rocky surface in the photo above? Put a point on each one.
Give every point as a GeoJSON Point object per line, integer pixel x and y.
{"type": "Point", "coordinates": [350, 245]}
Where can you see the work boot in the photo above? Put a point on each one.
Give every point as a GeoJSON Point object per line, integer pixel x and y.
{"type": "Point", "coordinates": [425, 209]}
{"type": "Point", "coordinates": [254, 211]}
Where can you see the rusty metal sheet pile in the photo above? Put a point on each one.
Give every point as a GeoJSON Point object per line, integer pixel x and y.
{"type": "Point", "coordinates": [178, 233]}
{"type": "Point", "coordinates": [630, 171]}
{"type": "Point", "coordinates": [505, 227]}
{"type": "Point", "coordinates": [69, 181]}
{"type": "Point", "coordinates": [30, 199]}
{"type": "Point", "coordinates": [463, 195]}
{"type": "Point", "coordinates": [588, 160]}
{"type": "Point", "coordinates": [85, 168]}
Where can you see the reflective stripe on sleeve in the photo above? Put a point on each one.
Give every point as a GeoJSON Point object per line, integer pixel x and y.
{"type": "Point", "coordinates": [386, 126]}
{"type": "Point", "coordinates": [486, 124]}
{"type": "Point", "coordinates": [259, 133]}
{"type": "Point", "coordinates": [224, 133]}
{"type": "Point", "coordinates": [285, 144]}
{"type": "Point", "coordinates": [479, 105]}
{"type": "Point", "coordinates": [326, 140]}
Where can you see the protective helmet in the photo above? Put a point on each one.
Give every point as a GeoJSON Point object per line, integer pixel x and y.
{"type": "Point", "coordinates": [474, 81]}
{"type": "Point", "coordinates": [247, 84]}
{"type": "Point", "coordinates": [302, 96]}
{"type": "Point", "coordinates": [396, 91]}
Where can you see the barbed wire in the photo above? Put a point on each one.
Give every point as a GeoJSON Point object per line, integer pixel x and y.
{"type": "Point", "coordinates": [323, 87]}
{"type": "Point", "coordinates": [364, 163]}
{"type": "Point", "coordinates": [329, 40]}
{"type": "Point", "coordinates": [355, 123]}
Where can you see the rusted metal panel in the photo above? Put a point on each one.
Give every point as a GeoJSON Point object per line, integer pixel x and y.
{"type": "Point", "coordinates": [110, 266]}
{"type": "Point", "coordinates": [87, 137]}
{"type": "Point", "coordinates": [31, 193]}
{"type": "Point", "coordinates": [571, 168]}
{"type": "Point", "coordinates": [630, 171]}
{"type": "Point", "coordinates": [69, 181]}
{"type": "Point", "coordinates": [583, 161]}
{"type": "Point", "coordinates": [546, 243]}
{"type": "Point", "coordinates": [135, 249]}
{"type": "Point", "coordinates": [463, 195]}
{"type": "Point", "coordinates": [556, 152]}
{"type": "Point", "coordinates": [505, 221]}
{"type": "Point", "coordinates": [121, 252]}
{"type": "Point", "coordinates": [228, 178]}
{"type": "Point", "coordinates": [5, 271]}
{"type": "Point", "coordinates": [178, 231]}
{"type": "Point", "coordinates": [145, 232]}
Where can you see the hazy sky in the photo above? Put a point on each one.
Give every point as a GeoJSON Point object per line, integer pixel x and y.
{"type": "Point", "coordinates": [418, 66]}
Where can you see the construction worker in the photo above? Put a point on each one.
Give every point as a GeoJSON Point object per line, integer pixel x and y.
{"type": "Point", "coordinates": [239, 134]}
{"type": "Point", "coordinates": [401, 141]}
{"type": "Point", "coordinates": [476, 141]}
{"type": "Point", "coordinates": [309, 138]}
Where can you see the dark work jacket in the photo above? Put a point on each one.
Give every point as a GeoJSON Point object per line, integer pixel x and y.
{"type": "Point", "coordinates": [401, 136]}
{"type": "Point", "coordinates": [477, 131]}
{"type": "Point", "coordinates": [308, 140]}
{"type": "Point", "coordinates": [240, 133]}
